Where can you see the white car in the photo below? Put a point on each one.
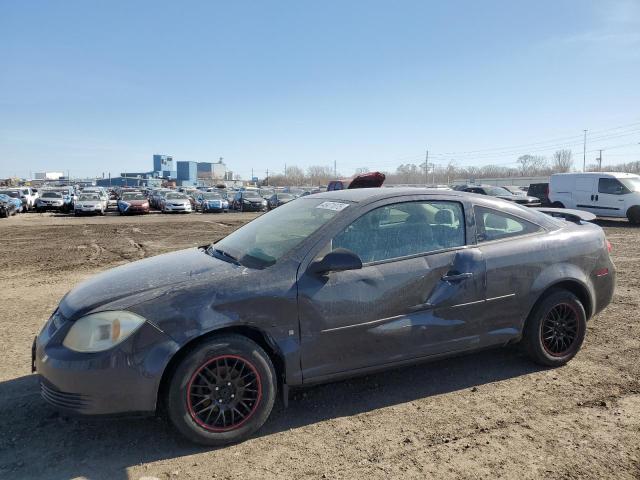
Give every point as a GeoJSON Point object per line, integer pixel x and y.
{"type": "Point", "coordinates": [89, 203]}
{"type": "Point", "coordinates": [176, 202]}
{"type": "Point", "coordinates": [610, 194]}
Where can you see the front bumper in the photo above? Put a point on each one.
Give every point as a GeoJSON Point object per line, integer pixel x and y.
{"type": "Point", "coordinates": [177, 208]}
{"type": "Point", "coordinates": [50, 206]}
{"type": "Point", "coordinates": [124, 379]}
{"type": "Point", "coordinates": [80, 210]}
{"type": "Point", "coordinates": [253, 207]}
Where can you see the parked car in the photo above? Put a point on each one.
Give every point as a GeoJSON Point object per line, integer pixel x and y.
{"type": "Point", "coordinates": [175, 202]}
{"type": "Point", "coordinates": [328, 286]}
{"type": "Point", "coordinates": [248, 201]}
{"type": "Point", "coordinates": [7, 206]}
{"type": "Point", "coordinates": [502, 193]}
{"type": "Point", "coordinates": [68, 197]}
{"type": "Point", "coordinates": [365, 180]}
{"type": "Point", "coordinates": [540, 190]}
{"type": "Point", "coordinates": [89, 203]}
{"type": "Point", "coordinates": [113, 200]}
{"type": "Point", "coordinates": [50, 200]}
{"type": "Point", "coordinates": [17, 201]}
{"type": "Point", "coordinates": [133, 202]}
{"type": "Point", "coordinates": [211, 202]}
{"type": "Point", "coordinates": [28, 197]}
{"type": "Point", "coordinates": [613, 194]}
{"type": "Point", "coordinates": [514, 189]}
{"type": "Point", "coordinates": [278, 199]}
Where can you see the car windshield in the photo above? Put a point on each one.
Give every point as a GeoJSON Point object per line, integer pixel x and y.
{"type": "Point", "coordinates": [11, 194]}
{"type": "Point", "coordinates": [133, 196]}
{"type": "Point", "coordinates": [285, 196]}
{"type": "Point", "coordinates": [211, 196]}
{"type": "Point", "coordinates": [4, 198]}
{"type": "Point", "coordinates": [268, 238]}
{"type": "Point", "coordinates": [51, 195]}
{"type": "Point", "coordinates": [251, 194]}
{"type": "Point", "coordinates": [175, 196]}
{"type": "Point", "coordinates": [496, 191]}
{"type": "Point", "coordinates": [89, 196]}
{"type": "Point", "coordinates": [632, 183]}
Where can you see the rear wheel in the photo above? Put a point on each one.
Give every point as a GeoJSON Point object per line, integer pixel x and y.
{"type": "Point", "coordinates": [555, 329]}
{"type": "Point", "coordinates": [557, 205]}
{"type": "Point", "coordinates": [222, 391]}
{"type": "Point", "coordinates": [633, 214]}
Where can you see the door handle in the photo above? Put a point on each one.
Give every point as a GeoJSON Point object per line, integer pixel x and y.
{"type": "Point", "coordinates": [421, 306]}
{"type": "Point", "coordinates": [592, 198]}
{"type": "Point", "coordinates": [457, 277]}
{"type": "Point", "coordinates": [596, 198]}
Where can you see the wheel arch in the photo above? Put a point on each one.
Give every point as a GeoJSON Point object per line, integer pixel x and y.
{"type": "Point", "coordinates": [255, 334]}
{"type": "Point", "coordinates": [574, 286]}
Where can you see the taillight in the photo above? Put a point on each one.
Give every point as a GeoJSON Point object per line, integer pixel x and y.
{"type": "Point", "coordinates": [609, 246]}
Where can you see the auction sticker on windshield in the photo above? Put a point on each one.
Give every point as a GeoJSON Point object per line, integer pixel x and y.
{"type": "Point", "coordinates": [335, 206]}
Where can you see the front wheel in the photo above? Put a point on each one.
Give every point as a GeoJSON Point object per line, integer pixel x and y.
{"type": "Point", "coordinates": [222, 391]}
{"type": "Point", "coordinates": [634, 215]}
{"type": "Point", "coordinates": [557, 205]}
{"type": "Point", "coordinates": [555, 329]}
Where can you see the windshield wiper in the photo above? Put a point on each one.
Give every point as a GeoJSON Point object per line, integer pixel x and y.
{"type": "Point", "coordinates": [211, 250]}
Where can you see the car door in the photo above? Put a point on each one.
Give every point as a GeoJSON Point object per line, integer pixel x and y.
{"type": "Point", "coordinates": [514, 250]}
{"type": "Point", "coordinates": [415, 295]}
{"type": "Point", "coordinates": [585, 193]}
{"type": "Point", "coordinates": [610, 198]}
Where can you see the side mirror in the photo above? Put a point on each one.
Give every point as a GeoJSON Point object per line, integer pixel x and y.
{"type": "Point", "coordinates": [338, 260]}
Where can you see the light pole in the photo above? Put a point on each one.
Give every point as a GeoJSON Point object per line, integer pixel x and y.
{"type": "Point", "coordinates": [584, 152]}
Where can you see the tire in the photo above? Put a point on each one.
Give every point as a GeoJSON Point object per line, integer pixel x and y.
{"type": "Point", "coordinates": [557, 205]}
{"type": "Point", "coordinates": [633, 214]}
{"type": "Point", "coordinates": [189, 377]}
{"type": "Point", "coordinates": [561, 314]}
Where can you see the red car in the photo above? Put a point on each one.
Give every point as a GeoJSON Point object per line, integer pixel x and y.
{"type": "Point", "coordinates": [366, 180]}
{"type": "Point", "coordinates": [133, 202]}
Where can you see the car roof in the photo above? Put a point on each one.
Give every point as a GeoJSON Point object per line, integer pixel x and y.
{"type": "Point", "coordinates": [372, 194]}
{"type": "Point", "coordinates": [598, 174]}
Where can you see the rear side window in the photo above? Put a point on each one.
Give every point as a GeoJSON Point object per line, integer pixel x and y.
{"type": "Point", "coordinates": [496, 225]}
{"type": "Point", "coordinates": [404, 229]}
{"type": "Point", "coordinates": [611, 186]}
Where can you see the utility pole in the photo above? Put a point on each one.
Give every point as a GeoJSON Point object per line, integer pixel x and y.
{"type": "Point", "coordinates": [285, 169]}
{"type": "Point", "coordinates": [600, 161]}
{"type": "Point", "coordinates": [426, 169]}
{"type": "Point", "coordinates": [335, 169]}
{"type": "Point", "coordinates": [252, 175]}
{"type": "Point", "coordinates": [584, 152]}
{"type": "Point", "coordinates": [267, 177]}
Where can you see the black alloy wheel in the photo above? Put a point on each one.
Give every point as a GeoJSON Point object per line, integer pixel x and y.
{"type": "Point", "coordinates": [555, 329]}
{"type": "Point", "coordinates": [222, 391]}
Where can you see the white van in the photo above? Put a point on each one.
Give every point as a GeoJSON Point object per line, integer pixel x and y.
{"type": "Point", "coordinates": [605, 194]}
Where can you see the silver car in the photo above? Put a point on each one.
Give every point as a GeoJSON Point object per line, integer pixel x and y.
{"type": "Point", "coordinates": [176, 202]}
{"type": "Point", "coordinates": [89, 203]}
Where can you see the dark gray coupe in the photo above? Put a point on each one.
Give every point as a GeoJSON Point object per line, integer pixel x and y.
{"type": "Point", "coordinates": [329, 286]}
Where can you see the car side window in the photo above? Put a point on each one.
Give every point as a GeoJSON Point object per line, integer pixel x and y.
{"type": "Point", "coordinates": [612, 186]}
{"type": "Point", "coordinates": [403, 229]}
{"type": "Point", "coordinates": [496, 225]}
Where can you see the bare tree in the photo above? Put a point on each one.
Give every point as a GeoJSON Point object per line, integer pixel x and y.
{"type": "Point", "coordinates": [562, 161]}
{"type": "Point", "coordinates": [319, 175]}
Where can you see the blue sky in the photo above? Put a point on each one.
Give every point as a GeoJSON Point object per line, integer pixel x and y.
{"type": "Point", "coordinates": [99, 86]}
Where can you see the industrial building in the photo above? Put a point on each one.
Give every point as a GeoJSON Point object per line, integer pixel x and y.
{"type": "Point", "coordinates": [164, 165]}
{"type": "Point", "coordinates": [187, 174]}
{"type": "Point", "coordinates": [212, 170]}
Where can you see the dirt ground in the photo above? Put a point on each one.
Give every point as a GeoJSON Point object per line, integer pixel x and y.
{"type": "Point", "coordinates": [487, 415]}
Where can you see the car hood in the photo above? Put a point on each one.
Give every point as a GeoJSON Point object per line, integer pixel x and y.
{"type": "Point", "coordinates": [136, 282]}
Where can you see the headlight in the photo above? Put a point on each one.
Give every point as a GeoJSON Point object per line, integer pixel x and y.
{"type": "Point", "coordinates": [100, 331]}
{"type": "Point", "coordinates": [264, 202]}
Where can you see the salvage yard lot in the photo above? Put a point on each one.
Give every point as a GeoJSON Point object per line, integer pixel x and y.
{"type": "Point", "coordinates": [492, 414]}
